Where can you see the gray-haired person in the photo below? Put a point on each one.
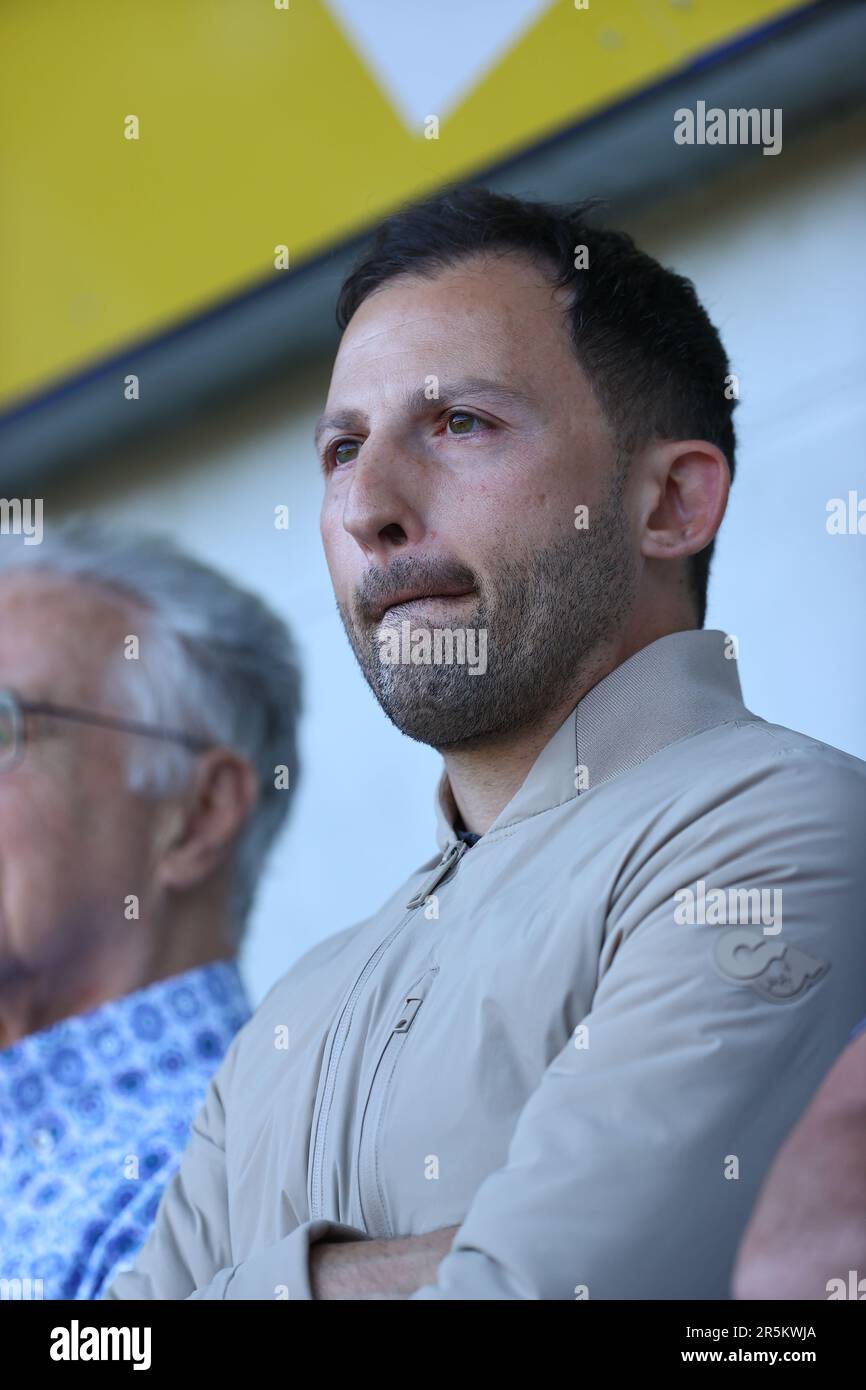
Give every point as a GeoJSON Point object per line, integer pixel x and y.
{"type": "Point", "coordinates": [148, 709]}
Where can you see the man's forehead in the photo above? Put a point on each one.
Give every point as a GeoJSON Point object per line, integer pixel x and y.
{"type": "Point", "coordinates": [468, 294]}
{"type": "Point", "coordinates": [57, 633]}
{"type": "Point", "coordinates": [458, 313]}
{"type": "Point", "coordinates": [387, 334]}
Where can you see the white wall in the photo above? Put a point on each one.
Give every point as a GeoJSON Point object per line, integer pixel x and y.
{"type": "Point", "coordinates": [775, 257]}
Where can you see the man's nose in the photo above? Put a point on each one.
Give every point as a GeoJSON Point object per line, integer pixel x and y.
{"type": "Point", "coordinates": [385, 505]}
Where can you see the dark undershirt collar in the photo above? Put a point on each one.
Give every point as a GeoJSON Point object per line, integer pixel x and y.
{"type": "Point", "coordinates": [467, 836]}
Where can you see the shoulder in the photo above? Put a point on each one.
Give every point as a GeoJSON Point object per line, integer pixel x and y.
{"type": "Point", "coordinates": [327, 952]}
{"type": "Point", "coordinates": [747, 804]}
{"type": "Point", "coordinates": [778, 741]}
{"type": "Point", "coordinates": [764, 765]}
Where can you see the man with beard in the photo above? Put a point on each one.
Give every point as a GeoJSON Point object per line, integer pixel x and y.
{"type": "Point", "coordinates": [558, 1061]}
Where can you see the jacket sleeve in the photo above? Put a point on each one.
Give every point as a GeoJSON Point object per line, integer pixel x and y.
{"type": "Point", "coordinates": [635, 1163]}
{"type": "Point", "coordinates": [188, 1253]}
{"type": "Point", "coordinates": [280, 1271]}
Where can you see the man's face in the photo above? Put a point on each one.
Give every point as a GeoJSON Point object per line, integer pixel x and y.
{"type": "Point", "coordinates": [460, 435]}
{"type": "Point", "coordinates": [74, 841]}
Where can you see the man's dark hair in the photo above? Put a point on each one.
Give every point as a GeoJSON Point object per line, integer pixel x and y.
{"type": "Point", "coordinates": [649, 350]}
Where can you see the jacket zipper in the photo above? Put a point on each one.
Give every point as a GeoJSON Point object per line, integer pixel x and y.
{"type": "Point", "coordinates": [317, 1187]}
{"type": "Point", "coordinates": [374, 1214]}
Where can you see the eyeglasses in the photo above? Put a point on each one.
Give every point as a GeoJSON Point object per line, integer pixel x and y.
{"type": "Point", "coordinates": [12, 731]}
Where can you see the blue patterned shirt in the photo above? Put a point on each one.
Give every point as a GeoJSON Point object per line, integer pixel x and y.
{"type": "Point", "coordinates": [94, 1117]}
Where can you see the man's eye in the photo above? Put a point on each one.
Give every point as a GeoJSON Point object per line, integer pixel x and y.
{"type": "Point", "coordinates": [337, 451]}
{"type": "Point", "coordinates": [461, 422]}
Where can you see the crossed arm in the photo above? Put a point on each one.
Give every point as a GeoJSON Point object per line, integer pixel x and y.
{"type": "Point", "coordinates": [615, 1183]}
{"type": "Point", "coordinates": [809, 1225]}
{"type": "Point", "coordinates": [376, 1269]}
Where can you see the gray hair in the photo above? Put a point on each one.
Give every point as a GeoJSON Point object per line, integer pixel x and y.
{"type": "Point", "coordinates": [220, 665]}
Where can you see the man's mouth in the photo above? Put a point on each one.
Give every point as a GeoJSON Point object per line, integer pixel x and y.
{"type": "Point", "coordinates": [406, 597]}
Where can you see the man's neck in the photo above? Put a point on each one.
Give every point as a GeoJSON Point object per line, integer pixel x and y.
{"type": "Point", "coordinates": [484, 779]}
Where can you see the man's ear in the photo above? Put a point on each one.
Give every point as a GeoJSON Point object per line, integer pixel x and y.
{"type": "Point", "coordinates": [200, 827]}
{"type": "Point", "coordinates": [685, 485]}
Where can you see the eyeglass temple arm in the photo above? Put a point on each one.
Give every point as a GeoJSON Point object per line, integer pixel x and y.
{"type": "Point", "coordinates": [105, 721]}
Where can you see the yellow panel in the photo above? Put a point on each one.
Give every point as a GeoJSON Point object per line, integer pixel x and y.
{"type": "Point", "coordinates": [577, 62]}
{"type": "Point", "coordinates": [258, 127]}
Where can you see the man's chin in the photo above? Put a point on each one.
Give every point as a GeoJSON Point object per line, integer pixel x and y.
{"type": "Point", "coordinates": [434, 722]}
{"type": "Point", "coordinates": [445, 723]}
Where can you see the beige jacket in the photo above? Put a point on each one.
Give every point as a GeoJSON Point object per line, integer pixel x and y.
{"type": "Point", "coordinates": [583, 1038]}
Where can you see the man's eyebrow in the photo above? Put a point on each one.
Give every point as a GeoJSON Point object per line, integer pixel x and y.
{"type": "Point", "coordinates": [350, 420]}
{"type": "Point", "coordinates": [418, 401]}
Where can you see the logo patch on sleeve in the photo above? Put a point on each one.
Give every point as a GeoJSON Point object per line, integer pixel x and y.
{"type": "Point", "coordinates": [776, 969]}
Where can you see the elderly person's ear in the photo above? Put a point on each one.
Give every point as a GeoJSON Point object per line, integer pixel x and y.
{"type": "Point", "coordinates": [201, 825]}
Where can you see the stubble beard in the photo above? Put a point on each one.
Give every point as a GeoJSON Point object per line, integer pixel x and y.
{"type": "Point", "coordinates": [546, 615]}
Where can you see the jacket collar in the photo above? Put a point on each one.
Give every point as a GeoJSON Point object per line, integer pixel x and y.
{"type": "Point", "coordinates": [679, 685]}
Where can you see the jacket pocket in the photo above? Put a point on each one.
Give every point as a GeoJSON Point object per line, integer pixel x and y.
{"type": "Point", "coordinates": [371, 1189]}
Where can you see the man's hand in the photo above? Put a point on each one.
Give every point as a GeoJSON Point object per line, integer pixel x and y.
{"type": "Point", "coordinates": [368, 1269]}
